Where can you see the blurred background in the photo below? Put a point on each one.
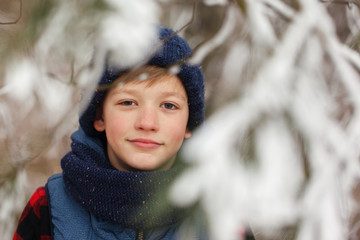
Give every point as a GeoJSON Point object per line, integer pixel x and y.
{"type": "Point", "coordinates": [279, 150]}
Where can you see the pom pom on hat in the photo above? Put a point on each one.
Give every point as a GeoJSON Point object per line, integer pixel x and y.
{"type": "Point", "coordinates": [174, 50]}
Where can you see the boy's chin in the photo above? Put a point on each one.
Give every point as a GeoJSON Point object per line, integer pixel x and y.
{"type": "Point", "coordinates": [150, 168]}
{"type": "Point", "coordinates": [144, 167]}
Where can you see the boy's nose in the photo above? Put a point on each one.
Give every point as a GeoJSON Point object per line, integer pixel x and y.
{"type": "Point", "coordinates": [147, 120]}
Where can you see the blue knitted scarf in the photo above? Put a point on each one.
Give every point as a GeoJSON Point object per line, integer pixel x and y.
{"type": "Point", "coordinates": [131, 199]}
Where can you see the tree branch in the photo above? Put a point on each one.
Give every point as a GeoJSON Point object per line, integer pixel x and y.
{"type": "Point", "coordinates": [19, 17]}
{"type": "Point", "coordinates": [348, 2]}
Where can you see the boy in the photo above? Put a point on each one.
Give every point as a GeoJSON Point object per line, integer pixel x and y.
{"type": "Point", "coordinates": [123, 155]}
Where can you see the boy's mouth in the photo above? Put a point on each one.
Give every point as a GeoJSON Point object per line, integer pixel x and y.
{"type": "Point", "coordinates": [145, 143]}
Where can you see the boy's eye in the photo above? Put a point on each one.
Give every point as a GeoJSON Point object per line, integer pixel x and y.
{"type": "Point", "coordinates": [169, 106]}
{"type": "Point", "coordinates": [127, 103]}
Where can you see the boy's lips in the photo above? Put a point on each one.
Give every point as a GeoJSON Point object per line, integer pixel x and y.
{"type": "Point", "coordinates": [145, 143]}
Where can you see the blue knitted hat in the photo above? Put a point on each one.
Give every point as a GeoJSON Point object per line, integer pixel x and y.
{"type": "Point", "coordinates": [174, 50]}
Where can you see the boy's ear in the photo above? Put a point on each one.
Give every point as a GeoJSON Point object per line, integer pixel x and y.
{"type": "Point", "coordinates": [99, 125]}
{"type": "Point", "coordinates": [99, 121]}
{"type": "Point", "coordinates": [187, 134]}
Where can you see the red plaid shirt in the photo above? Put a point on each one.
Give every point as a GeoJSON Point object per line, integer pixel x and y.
{"type": "Point", "coordinates": [34, 222]}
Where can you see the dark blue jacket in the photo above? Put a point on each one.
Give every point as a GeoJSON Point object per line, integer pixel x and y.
{"type": "Point", "coordinates": [69, 220]}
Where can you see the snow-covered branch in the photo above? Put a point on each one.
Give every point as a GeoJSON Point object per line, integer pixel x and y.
{"type": "Point", "coordinates": [248, 162]}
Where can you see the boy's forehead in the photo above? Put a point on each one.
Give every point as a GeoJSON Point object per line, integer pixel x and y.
{"type": "Point", "coordinates": [144, 73]}
{"type": "Point", "coordinates": [148, 75]}
{"type": "Point", "coordinates": [167, 85]}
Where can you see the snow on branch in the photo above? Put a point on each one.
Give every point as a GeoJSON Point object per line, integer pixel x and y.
{"type": "Point", "coordinates": [55, 53]}
{"type": "Point", "coordinates": [279, 155]}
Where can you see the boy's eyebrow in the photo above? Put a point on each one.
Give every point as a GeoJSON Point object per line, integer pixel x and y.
{"type": "Point", "coordinates": [164, 93]}
{"type": "Point", "coordinates": [174, 94]}
{"type": "Point", "coordinates": [120, 90]}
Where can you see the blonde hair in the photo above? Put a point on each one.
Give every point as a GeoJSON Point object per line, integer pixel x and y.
{"type": "Point", "coordinates": [150, 74]}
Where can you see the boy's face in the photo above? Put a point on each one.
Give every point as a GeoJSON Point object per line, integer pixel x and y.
{"type": "Point", "coordinates": [145, 124]}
